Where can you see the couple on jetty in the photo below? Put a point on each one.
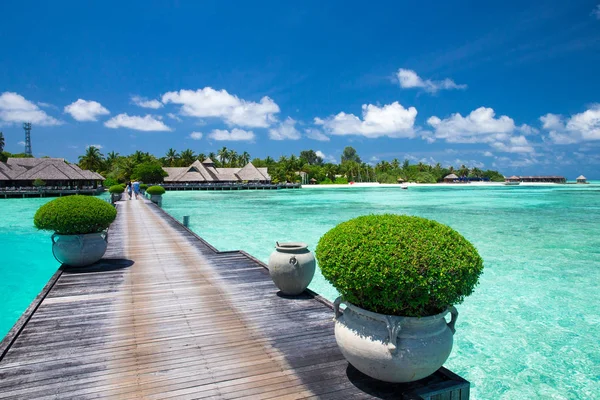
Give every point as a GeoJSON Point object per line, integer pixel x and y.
{"type": "Point", "coordinates": [135, 186]}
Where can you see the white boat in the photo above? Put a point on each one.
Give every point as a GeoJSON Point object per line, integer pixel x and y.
{"type": "Point", "coordinates": [513, 183]}
{"type": "Point", "coordinates": [404, 186]}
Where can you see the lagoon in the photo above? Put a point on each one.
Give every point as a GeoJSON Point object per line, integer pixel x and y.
{"type": "Point", "coordinates": [530, 330]}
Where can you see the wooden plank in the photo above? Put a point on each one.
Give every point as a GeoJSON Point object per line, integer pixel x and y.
{"type": "Point", "coordinates": [166, 315]}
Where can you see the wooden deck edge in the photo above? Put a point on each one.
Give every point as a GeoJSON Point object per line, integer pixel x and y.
{"type": "Point", "coordinates": [14, 332]}
{"type": "Point", "coordinates": [316, 295]}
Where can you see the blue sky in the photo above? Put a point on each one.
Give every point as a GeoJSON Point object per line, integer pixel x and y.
{"type": "Point", "coordinates": [511, 86]}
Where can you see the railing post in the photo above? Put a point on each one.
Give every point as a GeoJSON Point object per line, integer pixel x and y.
{"type": "Point", "coordinates": [186, 221]}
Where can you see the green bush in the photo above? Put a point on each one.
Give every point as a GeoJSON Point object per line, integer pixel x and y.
{"type": "Point", "coordinates": [154, 190]}
{"type": "Point", "coordinates": [116, 189]}
{"type": "Point", "coordinates": [143, 186]}
{"type": "Point", "coordinates": [149, 172]}
{"type": "Point", "coordinates": [39, 183]}
{"type": "Point", "coordinates": [75, 215]}
{"type": "Point", "coordinates": [108, 182]}
{"type": "Point", "coordinates": [340, 181]}
{"type": "Point", "coordinates": [398, 264]}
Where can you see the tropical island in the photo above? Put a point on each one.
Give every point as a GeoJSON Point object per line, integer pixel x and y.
{"type": "Point", "coordinates": [305, 167]}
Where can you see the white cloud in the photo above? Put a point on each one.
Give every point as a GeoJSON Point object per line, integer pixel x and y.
{"type": "Point", "coordinates": [145, 103]}
{"type": "Point", "coordinates": [285, 130]}
{"type": "Point", "coordinates": [15, 108]}
{"type": "Point", "coordinates": [326, 158]}
{"type": "Point", "coordinates": [515, 144]}
{"type": "Point", "coordinates": [409, 79]}
{"type": "Point", "coordinates": [84, 110]}
{"type": "Point", "coordinates": [488, 154]}
{"type": "Point", "coordinates": [316, 134]}
{"type": "Point", "coordinates": [98, 146]}
{"type": "Point", "coordinates": [21, 143]}
{"type": "Point", "coordinates": [596, 12]}
{"type": "Point", "coordinates": [138, 123]}
{"type": "Point", "coordinates": [582, 127]}
{"type": "Point", "coordinates": [391, 120]}
{"type": "Point", "coordinates": [173, 116]}
{"type": "Point", "coordinates": [209, 102]}
{"type": "Point", "coordinates": [233, 135]}
{"type": "Point", "coordinates": [481, 126]}
{"type": "Point", "coordinates": [196, 135]}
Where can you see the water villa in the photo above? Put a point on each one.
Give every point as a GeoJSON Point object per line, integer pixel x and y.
{"type": "Point", "coordinates": [205, 176]}
{"type": "Point", "coordinates": [581, 179]}
{"type": "Point", "coordinates": [541, 179]}
{"type": "Point", "coordinates": [26, 177]}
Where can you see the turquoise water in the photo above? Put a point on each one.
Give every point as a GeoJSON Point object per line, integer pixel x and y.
{"type": "Point", "coordinates": [531, 329]}
{"type": "Point", "coordinates": [27, 261]}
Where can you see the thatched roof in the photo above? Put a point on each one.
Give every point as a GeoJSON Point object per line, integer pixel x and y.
{"type": "Point", "coordinates": [451, 176]}
{"type": "Point", "coordinates": [48, 169]}
{"type": "Point", "coordinates": [206, 172]}
{"type": "Point", "coordinates": [580, 177]}
{"type": "Point", "coordinates": [250, 173]}
{"type": "Point", "coordinates": [514, 178]}
{"type": "Point", "coordinates": [208, 161]}
{"type": "Point", "coordinates": [400, 180]}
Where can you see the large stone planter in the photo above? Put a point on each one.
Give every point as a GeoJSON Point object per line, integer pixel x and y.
{"type": "Point", "coordinates": [156, 199]}
{"type": "Point", "coordinates": [79, 250]}
{"type": "Point", "coordinates": [391, 348]}
{"type": "Point", "coordinates": [114, 197]}
{"type": "Point", "coordinates": [292, 267]}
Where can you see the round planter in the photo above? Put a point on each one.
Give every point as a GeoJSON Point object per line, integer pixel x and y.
{"type": "Point", "coordinates": [156, 199]}
{"type": "Point", "coordinates": [292, 267]}
{"type": "Point", "coordinates": [79, 250]}
{"type": "Point", "coordinates": [391, 348]}
{"type": "Point", "coordinates": [115, 197]}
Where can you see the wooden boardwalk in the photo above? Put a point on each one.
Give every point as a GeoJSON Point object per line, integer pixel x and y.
{"type": "Point", "coordinates": [164, 315]}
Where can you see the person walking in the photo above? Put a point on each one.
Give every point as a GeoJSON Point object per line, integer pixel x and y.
{"type": "Point", "coordinates": [136, 189]}
{"type": "Point", "coordinates": [129, 189]}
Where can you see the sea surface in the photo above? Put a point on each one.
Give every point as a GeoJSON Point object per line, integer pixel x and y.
{"type": "Point", "coordinates": [531, 330]}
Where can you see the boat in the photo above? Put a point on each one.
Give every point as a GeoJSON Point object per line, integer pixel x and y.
{"type": "Point", "coordinates": [509, 183]}
{"type": "Point", "coordinates": [404, 186]}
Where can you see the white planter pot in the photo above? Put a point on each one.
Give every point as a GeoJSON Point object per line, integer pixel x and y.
{"type": "Point", "coordinates": [391, 348]}
{"type": "Point", "coordinates": [292, 267]}
{"type": "Point", "coordinates": [79, 250]}
{"type": "Point", "coordinates": [156, 199]}
{"type": "Point", "coordinates": [115, 197]}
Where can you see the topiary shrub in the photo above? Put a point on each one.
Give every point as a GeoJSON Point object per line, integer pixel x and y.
{"type": "Point", "coordinates": [116, 189]}
{"type": "Point", "coordinates": [75, 215]}
{"type": "Point", "coordinates": [155, 190]}
{"type": "Point", "coordinates": [143, 186]}
{"type": "Point", "coordinates": [398, 264]}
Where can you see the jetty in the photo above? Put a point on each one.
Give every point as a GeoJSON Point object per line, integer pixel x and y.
{"type": "Point", "coordinates": [166, 315]}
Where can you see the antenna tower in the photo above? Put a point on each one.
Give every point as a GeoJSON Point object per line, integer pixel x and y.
{"type": "Point", "coordinates": [27, 127]}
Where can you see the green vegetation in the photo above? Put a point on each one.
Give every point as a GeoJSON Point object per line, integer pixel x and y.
{"type": "Point", "coordinates": [75, 215]}
{"type": "Point", "coordinates": [143, 186]}
{"type": "Point", "coordinates": [145, 167]}
{"type": "Point", "coordinates": [399, 265]}
{"type": "Point", "coordinates": [149, 171]}
{"type": "Point", "coordinates": [39, 183]}
{"type": "Point", "coordinates": [155, 190]}
{"type": "Point", "coordinates": [116, 189]}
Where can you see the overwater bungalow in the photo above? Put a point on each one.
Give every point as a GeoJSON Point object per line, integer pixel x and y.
{"type": "Point", "coordinates": [46, 174]}
{"type": "Point", "coordinates": [581, 179]}
{"type": "Point", "coordinates": [543, 179]}
{"type": "Point", "coordinates": [206, 173]}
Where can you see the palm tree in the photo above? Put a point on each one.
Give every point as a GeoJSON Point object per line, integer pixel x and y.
{"type": "Point", "coordinates": [172, 156]}
{"type": "Point", "coordinates": [223, 155]}
{"type": "Point", "coordinates": [92, 159]}
{"type": "Point", "coordinates": [269, 160]}
{"type": "Point", "coordinates": [395, 163]}
{"type": "Point", "coordinates": [1, 142]}
{"type": "Point", "coordinates": [201, 157]}
{"type": "Point", "coordinates": [463, 171]}
{"type": "Point", "coordinates": [245, 158]}
{"type": "Point", "coordinates": [187, 157]}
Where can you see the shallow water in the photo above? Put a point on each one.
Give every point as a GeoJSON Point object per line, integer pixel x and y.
{"type": "Point", "coordinates": [530, 330]}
